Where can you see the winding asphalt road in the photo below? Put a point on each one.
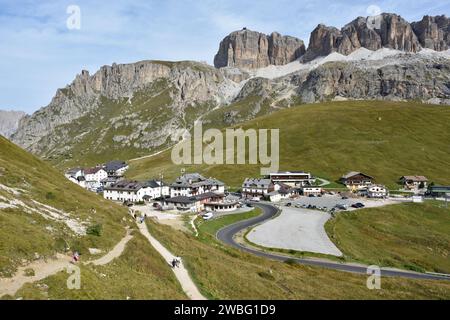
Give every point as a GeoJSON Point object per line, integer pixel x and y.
{"type": "Point", "coordinates": [226, 235]}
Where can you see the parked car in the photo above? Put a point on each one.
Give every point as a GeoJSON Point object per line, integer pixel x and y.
{"type": "Point", "coordinates": [358, 205]}
{"type": "Point", "coordinates": [256, 199]}
{"type": "Point", "coordinates": [344, 198]}
{"type": "Point", "coordinates": [208, 216]}
{"type": "Point", "coordinates": [312, 196]}
{"type": "Point", "coordinates": [288, 204]}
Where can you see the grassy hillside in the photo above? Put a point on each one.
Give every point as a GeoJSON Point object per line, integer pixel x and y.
{"type": "Point", "coordinates": [30, 191]}
{"type": "Point", "coordinates": [222, 272]}
{"type": "Point", "coordinates": [409, 236]}
{"type": "Point", "coordinates": [139, 273]}
{"type": "Point", "coordinates": [27, 185]}
{"type": "Point", "coordinates": [383, 139]}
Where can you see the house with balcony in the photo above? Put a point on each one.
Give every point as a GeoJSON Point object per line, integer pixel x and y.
{"type": "Point", "coordinates": [357, 180]}
{"type": "Point", "coordinates": [254, 187]}
{"type": "Point", "coordinates": [192, 184]}
{"type": "Point", "coordinates": [293, 178]}
{"type": "Point", "coordinates": [414, 183]}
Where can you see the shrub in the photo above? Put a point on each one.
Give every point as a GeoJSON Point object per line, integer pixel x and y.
{"type": "Point", "coordinates": [95, 230]}
{"type": "Point", "coordinates": [50, 196]}
{"type": "Point", "coordinates": [266, 275]}
{"type": "Point", "coordinates": [29, 272]}
{"type": "Point", "coordinates": [291, 262]}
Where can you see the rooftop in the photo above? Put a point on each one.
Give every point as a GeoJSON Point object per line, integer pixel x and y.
{"type": "Point", "coordinates": [355, 173]}
{"type": "Point", "coordinates": [257, 181]}
{"type": "Point", "coordinates": [193, 199]}
{"type": "Point", "coordinates": [415, 178]}
{"type": "Point", "coordinates": [155, 183]}
{"type": "Point", "coordinates": [289, 172]}
{"type": "Point", "coordinates": [126, 185]}
{"type": "Point", "coordinates": [195, 180]}
{"type": "Point", "coordinates": [115, 165]}
{"type": "Point", "coordinates": [92, 170]}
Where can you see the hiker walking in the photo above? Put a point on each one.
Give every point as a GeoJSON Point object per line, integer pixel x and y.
{"type": "Point", "coordinates": [75, 257]}
{"type": "Point", "coordinates": [174, 263]}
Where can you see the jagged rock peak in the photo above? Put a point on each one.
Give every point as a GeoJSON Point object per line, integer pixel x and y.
{"type": "Point", "coordinates": [251, 50]}
{"type": "Point", "coordinates": [433, 32]}
{"type": "Point", "coordinates": [384, 31]}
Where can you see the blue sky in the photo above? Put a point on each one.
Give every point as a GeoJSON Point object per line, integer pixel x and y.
{"type": "Point", "coordinates": [39, 54]}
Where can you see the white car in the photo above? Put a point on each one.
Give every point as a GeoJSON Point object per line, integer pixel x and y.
{"type": "Point", "coordinates": [207, 216]}
{"type": "Point", "coordinates": [256, 199]}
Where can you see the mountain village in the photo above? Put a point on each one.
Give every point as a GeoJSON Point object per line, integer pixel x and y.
{"type": "Point", "coordinates": [194, 193]}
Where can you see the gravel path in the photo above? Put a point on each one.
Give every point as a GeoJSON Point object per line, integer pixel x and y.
{"type": "Point", "coordinates": [114, 253]}
{"type": "Point", "coordinates": [181, 273]}
{"type": "Point", "coordinates": [43, 269]}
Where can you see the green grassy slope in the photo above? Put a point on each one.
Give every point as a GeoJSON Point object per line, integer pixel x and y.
{"type": "Point", "coordinates": [222, 272]}
{"type": "Point", "coordinates": [139, 273]}
{"type": "Point", "coordinates": [23, 233]}
{"type": "Point", "coordinates": [383, 139]}
{"type": "Point", "coordinates": [409, 236]}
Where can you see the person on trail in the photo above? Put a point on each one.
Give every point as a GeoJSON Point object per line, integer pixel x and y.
{"type": "Point", "coordinates": [174, 263]}
{"type": "Point", "coordinates": [76, 257]}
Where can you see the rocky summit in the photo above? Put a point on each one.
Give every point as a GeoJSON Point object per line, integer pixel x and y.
{"type": "Point", "coordinates": [250, 50]}
{"type": "Point", "coordinates": [132, 110]}
{"type": "Point", "coordinates": [384, 31]}
{"type": "Point", "coordinates": [433, 32]}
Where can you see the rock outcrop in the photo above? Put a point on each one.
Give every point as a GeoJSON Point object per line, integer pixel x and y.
{"type": "Point", "coordinates": [9, 122]}
{"type": "Point", "coordinates": [397, 78]}
{"type": "Point", "coordinates": [373, 33]}
{"type": "Point", "coordinates": [250, 50]}
{"type": "Point", "coordinates": [433, 32]}
{"type": "Point", "coordinates": [182, 90]}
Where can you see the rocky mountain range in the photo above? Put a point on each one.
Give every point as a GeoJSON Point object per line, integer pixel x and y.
{"type": "Point", "coordinates": [9, 122]}
{"type": "Point", "coordinates": [252, 50]}
{"type": "Point", "coordinates": [131, 110]}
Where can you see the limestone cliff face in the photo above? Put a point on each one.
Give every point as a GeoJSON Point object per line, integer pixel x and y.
{"type": "Point", "coordinates": [433, 32]}
{"type": "Point", "coordinates": [188, 86]}
{"type": "Point", "coordinates": [388, 31]}
{"type": "Point", "coordinates": [396, 78]}
{"type": "Point", "coordinates": [250, 50]}
{"type": "Point", "coordinates": [9, 122]}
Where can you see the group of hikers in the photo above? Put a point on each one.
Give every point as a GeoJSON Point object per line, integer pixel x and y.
{"type": "Point", "coordinates": [140, 219]}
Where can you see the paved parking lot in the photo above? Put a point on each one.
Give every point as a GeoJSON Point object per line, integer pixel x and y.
{"type": "Point", "coordinates": [296, 229]}
{"type": "Point", "coordinates": [330, 201]}
{"type": "Point", "coordinates": [303, 229]}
